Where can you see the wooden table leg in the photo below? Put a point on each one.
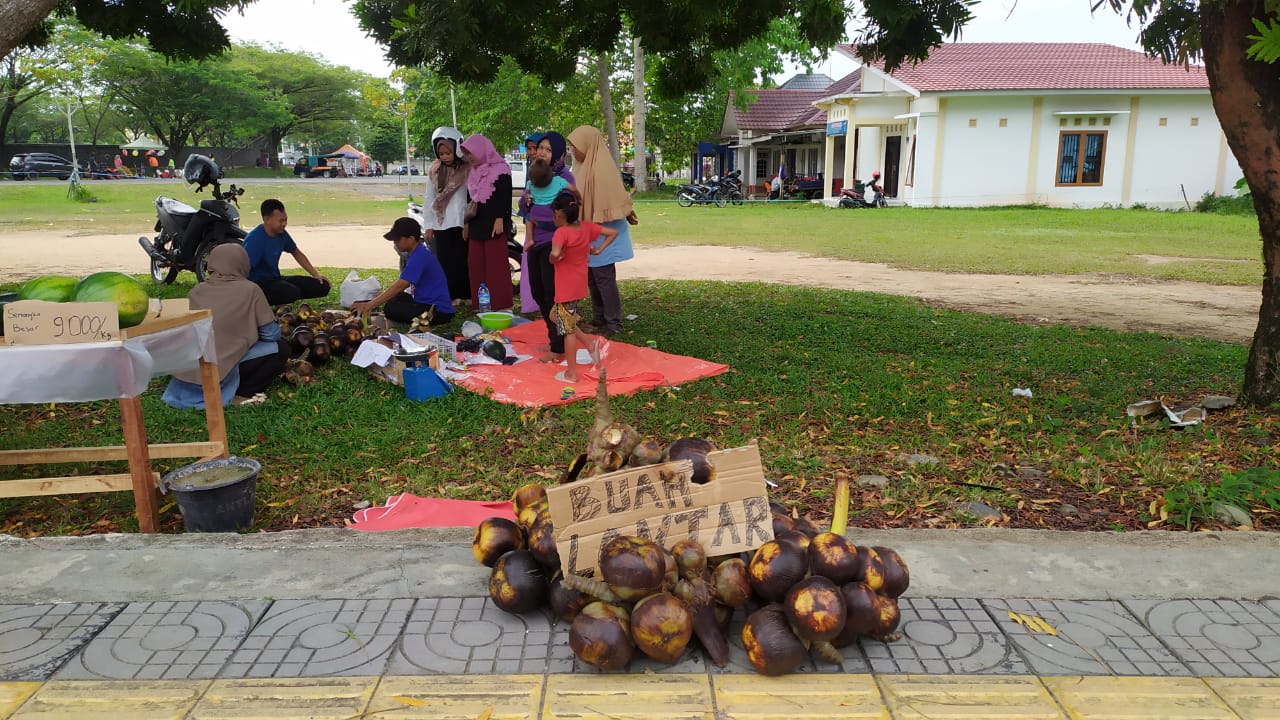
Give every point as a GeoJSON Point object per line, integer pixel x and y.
{"type": "Point", "coordinates": [213, 416]}
{"type": "Point", "coordinates": [146, 496]}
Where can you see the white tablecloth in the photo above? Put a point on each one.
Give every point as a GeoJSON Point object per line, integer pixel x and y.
{"type": "Point", "coordinates": [80, 372]}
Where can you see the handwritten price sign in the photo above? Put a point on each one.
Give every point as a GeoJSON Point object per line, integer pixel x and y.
{"type": "Point", "coordinates": [35, 322]}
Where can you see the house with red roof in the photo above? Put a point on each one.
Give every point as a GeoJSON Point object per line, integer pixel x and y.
{"type": "Point", "coordinates": [1060, 124]}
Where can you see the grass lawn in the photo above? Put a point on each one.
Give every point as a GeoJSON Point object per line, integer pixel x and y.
{"type": "Point", "coordinates": [1223, 249]}
{"type": "Point", "coordinates": [827, 382]}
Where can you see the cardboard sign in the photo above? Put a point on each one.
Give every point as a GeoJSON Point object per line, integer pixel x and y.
{"type": "Point", "coordinates": [727, 515]}
{"type": "Point", "coordinates": [37, 322]}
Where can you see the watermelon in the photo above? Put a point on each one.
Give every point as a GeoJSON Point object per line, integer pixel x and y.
{"type": "Point", "coordinates": [51, 288]}
{"type": "Point", "coordinates": [128, 295]}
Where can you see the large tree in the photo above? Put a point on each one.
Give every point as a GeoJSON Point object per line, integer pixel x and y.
{"type": "Point", "coordinates": [308, 90]}
{"type": "Point", "coordinates": [180, 102]}
{"type": "Point", "coordinates": [188, 29]}
{"type": "Point", "coordinates": [547, 37]}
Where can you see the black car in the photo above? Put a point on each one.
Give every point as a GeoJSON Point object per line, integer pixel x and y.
{"type": "Point", "coordinates": [404, 170]}
{"type": "Point", "coordinates": [33, 166]}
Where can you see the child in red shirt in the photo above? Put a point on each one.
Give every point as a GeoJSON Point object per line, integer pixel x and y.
{"type": "Point", "coordinates": [569, 249]}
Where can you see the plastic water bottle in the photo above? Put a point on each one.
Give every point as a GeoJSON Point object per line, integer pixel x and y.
{"type": "Point", "coordinates": [483, 296]}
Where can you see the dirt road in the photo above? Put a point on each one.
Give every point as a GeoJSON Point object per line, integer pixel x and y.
{"type": "Point", "coordinates": [1175, 308]}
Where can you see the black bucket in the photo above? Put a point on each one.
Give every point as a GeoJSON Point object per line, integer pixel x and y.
{"type": "Point", "coordinates": [215, 495]}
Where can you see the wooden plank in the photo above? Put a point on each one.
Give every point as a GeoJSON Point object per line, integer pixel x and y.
{"type": "Point", "coordinates": [110, 452]}
{"type": "Point", "coordinates": [214, 420]}
{"type": "Point", "coordinates": [163, 323]}
{"type": "Point", "coordinates": [146, 496]}
{"type": "Point", "coordinates": [68, 485]}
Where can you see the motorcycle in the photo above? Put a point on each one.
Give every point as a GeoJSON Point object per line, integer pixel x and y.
{"type": "Point", "coordinates": [864, 194]}
{"type": "Point", "coordinates": [186, 235]}
{"type": "Point", "coordinates": [698, 193]}
{"type": "Point", "coordinates": [732, 185]}
{"type": "Point", "coordinates": [515, 251]}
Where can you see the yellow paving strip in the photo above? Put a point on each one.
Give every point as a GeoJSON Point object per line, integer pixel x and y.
{"type": "Point", "coordinates": [657, 696]}
{"type": "Point", "coordinates": [1251, 698]}
{"type": "Point", "coordinates": [13, 694]}
{"type": "Point", "coordinates": [799, 697]}
{"type": "Point", "coordinates": [1125, 698]}
{"type": "Point", "coordinates": [977, 697]}
{"type": "Point", "coordinates": [464, 697]}
{"type": "Point", "coordinates": [113, 700]}
{"type": "Point", "coordinates": [649, 696]}
{"type": "Point", "coordinates": [275, 698]}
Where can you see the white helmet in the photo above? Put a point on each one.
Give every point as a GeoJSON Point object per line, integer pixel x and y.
{"type": "Point", "coordinates": [447, 133]}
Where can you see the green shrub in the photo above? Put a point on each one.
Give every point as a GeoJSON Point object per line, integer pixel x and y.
{"type": "Point", "coordinates": [1239, 204]}
{"type": "Point", "coordinates": [1192, 500]}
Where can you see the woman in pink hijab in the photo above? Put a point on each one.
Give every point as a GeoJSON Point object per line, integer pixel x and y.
{"type": "Point", "coordinates": [487, 230]}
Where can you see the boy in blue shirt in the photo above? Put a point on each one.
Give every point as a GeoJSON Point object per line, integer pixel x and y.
{"type": "Point", "coordinates": [421, 287]}
{"type": "Point", "coordinates": [264, 244]}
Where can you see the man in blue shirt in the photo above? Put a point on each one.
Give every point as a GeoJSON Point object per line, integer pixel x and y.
{"type": "Point", "coordinates": [421, 286]}
{"type": "Point", "coordinates": [264, 244]}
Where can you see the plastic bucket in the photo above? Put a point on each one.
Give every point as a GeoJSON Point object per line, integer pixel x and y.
{"type": "Point", "coordinates": [423, 383]}
{"type": "Point", "coordinates": [215, 495]}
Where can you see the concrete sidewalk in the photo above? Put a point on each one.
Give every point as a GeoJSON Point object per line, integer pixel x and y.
{"type": "Point", "coordinates": [340, 624]}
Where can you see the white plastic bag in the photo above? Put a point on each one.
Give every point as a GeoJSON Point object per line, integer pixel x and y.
{"type": "Point", "coordinates": [355, 290]}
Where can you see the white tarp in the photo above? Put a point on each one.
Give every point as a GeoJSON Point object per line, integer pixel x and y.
{"type": "Point", "coordinates": [82, 372]}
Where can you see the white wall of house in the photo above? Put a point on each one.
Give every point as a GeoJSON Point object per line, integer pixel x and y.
{"type": "Point", "coordinates": [1005, 149]}
{"type": "Point", "coordinates": [1179, 145]}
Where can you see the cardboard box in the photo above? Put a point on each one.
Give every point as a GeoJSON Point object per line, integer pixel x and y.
{"type": "Point", "coordinates": [726, 515]}
{"type": "Point", "coordinates": [37, 322]}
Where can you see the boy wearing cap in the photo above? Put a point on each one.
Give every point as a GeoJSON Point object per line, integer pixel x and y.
{"type": "Point", "coordinates": [421, 287]}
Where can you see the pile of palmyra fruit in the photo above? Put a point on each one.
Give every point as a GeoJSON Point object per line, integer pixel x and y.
{"type": "Point", "coordinates": [803, 591]}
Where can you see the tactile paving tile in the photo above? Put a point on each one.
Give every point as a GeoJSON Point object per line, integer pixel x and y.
{"type": "Point", "coordinates": [35, 640]}
{"type": "Point", "coordinates": [1249, 698]}
{"type": "Point", "coordinates": [945, 636]}
{"type": "Point", "coordinates": [1227, 638]}
{"type": "Point", "coordinates": [1093, 637]}
{"type": "Point", "coordinates": [471, 635]}
{"type": "Point", "coordinates": [165, 640]}
{"type": "Point", "coordinates": [317, 638]}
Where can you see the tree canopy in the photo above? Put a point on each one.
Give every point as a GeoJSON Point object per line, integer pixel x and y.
{"type": "Point", "coordinates": [547, 37]}
{"type": "Point", "coordinates": [188, 30]}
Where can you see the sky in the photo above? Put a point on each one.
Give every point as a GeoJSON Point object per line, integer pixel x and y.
{"type": "Point", "coordinates": [327, 28]}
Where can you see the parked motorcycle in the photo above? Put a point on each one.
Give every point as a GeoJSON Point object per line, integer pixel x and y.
{"type": "Point", "coordinates": [732, 186]}
{"type": "Point", "coordinates": [864, 194]}
{"type": "Point", "coordinates": [186, 235]}
{"type": "Point", "coordinates": [698, 193]}
{"type": "Point", "coordinates": [514, 249]}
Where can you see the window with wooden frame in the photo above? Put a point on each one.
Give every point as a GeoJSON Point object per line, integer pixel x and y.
{"type": "Point", "coordinates": [1080, 156]}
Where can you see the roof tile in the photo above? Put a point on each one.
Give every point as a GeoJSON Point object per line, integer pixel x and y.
{"type": "Point", "coordinates": [1043, 66]}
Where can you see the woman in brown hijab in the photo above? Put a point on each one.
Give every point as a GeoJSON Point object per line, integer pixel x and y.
{"type": "Point", "coordinates": [246, 337]}
{"type": "Point", "coordinates": [607, 203]}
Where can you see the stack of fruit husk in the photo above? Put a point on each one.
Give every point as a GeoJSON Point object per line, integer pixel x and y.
{"type": "Point", "coordinates": [316, 337]}
{"type": "Point", "coordinates": [804, 591]}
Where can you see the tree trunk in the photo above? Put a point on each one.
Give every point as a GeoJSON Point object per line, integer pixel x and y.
{"type": "Point", "coordinates": [19, 18]}
{"type": "Point", "coordinates": [606, 104]}
{"type": "Point", "coordinates": [1246, 97]}
{"type": "Point", "coordinates": [642, 161]}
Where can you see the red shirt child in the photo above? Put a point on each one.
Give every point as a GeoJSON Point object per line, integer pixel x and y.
{"type": "Point", "coordinates": [570, 247]}
{"type": "Point", "coordinates": [574, 245]}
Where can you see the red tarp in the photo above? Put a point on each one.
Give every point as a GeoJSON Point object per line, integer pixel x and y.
{"type": "Point", "coordinates": [533, 384]}
{"type": "Point", "coordinates": [410, 511]}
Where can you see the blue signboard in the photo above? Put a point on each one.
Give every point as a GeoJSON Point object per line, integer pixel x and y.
{"type": "Point", "coordinates": [837, 127]}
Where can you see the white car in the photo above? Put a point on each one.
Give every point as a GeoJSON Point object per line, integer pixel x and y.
{"type": "Point", "coordinates": [517, 176]}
